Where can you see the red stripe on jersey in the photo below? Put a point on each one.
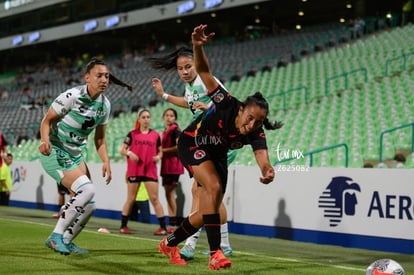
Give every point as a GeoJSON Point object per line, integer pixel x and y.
{"type": "Point", "coordinates": [210, 92]}
{"type": "Point", "coordinates": [190, 169]}
{"type": "Point", "coordinates": [211, 224]}
{"type": "Point", "coordinates": [191, 134]}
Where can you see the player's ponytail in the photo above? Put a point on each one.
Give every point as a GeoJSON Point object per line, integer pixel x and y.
{"type": "Point", "coordinates": [96, 61]}
{"type": "Point", "coordinates": [116, 81]}
{"type": "Point", "coordinates": [169, 62]}
{"type": "Point", "coordinates": [259, 100]}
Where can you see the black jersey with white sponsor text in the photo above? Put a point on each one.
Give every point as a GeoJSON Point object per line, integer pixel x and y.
{"type": "Point", "coordinates": [214, 130]}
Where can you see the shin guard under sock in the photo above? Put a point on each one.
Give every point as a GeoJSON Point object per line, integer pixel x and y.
{"type": "Point", "coordinates": [79, 223]}
{"type": "Point", "coordinates": [182, 233]}
{"type": "Point", "coordinates": [84, 193]}
{"type": "Point", "coordinates": [212, 226]}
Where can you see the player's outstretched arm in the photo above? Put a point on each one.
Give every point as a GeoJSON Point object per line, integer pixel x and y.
{"type": "Point", "coordinates": [176, 100]}
{"type": "Point", "coordinates": [199, 39]}
{"type": "Point", "coordinates": [262, 159]}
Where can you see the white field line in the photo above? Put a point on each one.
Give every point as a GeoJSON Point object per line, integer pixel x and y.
{"type": "Point", "coordinates": [283, 259]}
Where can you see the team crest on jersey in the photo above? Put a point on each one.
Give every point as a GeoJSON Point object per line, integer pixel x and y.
{"type": "Point", "coordinates": [199, 154]}
{"type": "Point", "coordinates": [100, 112]}
{"type": "Point", "coordinates": [218, 97]}
{"type": "Point", "coordinates": [236, 145]}
{"type": "Point", "coordinates": [195, 96]}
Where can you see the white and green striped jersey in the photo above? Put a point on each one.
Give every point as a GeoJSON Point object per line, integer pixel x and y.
{"type": "Point", "coordinates": [197, 91]}
{"type": "Point", "coordinates": [78, 117]}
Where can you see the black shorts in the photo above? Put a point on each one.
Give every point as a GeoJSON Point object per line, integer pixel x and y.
{"type": "Point", "coordinates": [62, 189]}
{"type": "Point", "coordinates": [170, 179]}
{"type": "Point", "coordinates": [139, 179]}
{"type": "Point", "coordinates": [195, 155]}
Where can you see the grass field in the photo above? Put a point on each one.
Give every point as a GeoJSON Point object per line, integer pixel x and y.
{"type": "Point", "coordinates": [22, 251]}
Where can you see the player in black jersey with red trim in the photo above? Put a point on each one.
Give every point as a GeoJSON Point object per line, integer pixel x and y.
{"type": "Point", "coordinates": [202, 148]}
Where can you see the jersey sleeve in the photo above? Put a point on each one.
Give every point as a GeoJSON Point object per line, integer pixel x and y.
{"type": "Point", "coordinates": [221, 98]}
{"type": "Point", "coordinates": [258, 140]}
{"type": "Point", "coordinates": [128, 139]}
{"type": "Point", "coordinates": [105, 120]}
{"type": "Point", "coordinates": [158, 141]}
{"type": "Point", "coordinates": [176, 134]}
{"type": "Point", "coordinates": [64, 102]}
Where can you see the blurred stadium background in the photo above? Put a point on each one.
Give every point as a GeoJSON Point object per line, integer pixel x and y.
{"type": "Point", "coordinates": [337, 73]}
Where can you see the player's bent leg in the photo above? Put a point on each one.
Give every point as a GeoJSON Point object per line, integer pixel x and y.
{"type": "Point", "coordinates": [225, 243]}
{"type": "Point", "coordinates": [70, 234]}
{"type": "Point", "coordinates": [168, 245]}
{"type": "Point", "coordinates": [188, 250]}
{"type": "Point", "coordinates": [171, 252]}
{"type": "Point", "coordinates": [224, 232]}
{"type": "Point", "coordinates": [84, 193]}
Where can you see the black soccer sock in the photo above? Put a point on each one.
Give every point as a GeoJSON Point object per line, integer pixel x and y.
{"type": "Point", "coordinates": [172, 221]}
{"type": "Point", "coordinates": [162, 223]}
{"type": "Point", "coordinates": [179, 220]}
{"type": "Point", "coordinates": [124, 221]}
{"type": "Point", "coordinates": [182, 233]}
{"type": "Point", "coordinates": [212, 226]}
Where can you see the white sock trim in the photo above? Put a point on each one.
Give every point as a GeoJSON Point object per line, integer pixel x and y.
{"type": "Point", "coordinates": [224, 235]}
{"type": "Point", "coordinates": [192, 240]}
{"type": "Point", "coordinates": [79, 182]}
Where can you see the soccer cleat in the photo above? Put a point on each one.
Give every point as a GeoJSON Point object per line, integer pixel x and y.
{"type": "Point", "coordinates": [227, 251]}
{"type": "Point", "coordinates": [218, 260]}
{"type": "Point", "coordinates": [187, 252]}
{"type": "Point", "coordinates": [171, 229]}
{"type": "Point", "coordinates": [172, 252]}
{"type": "Point", "coordinates": [76, 249]}
{"type": "Point", "coordinates": [56, 216]}
{"type": "Point", "coordinates": [125, 230]}
{"type": "Point", "coordinates": [160, 232]}
{"type": "Point", "coordinates": [55, 242]}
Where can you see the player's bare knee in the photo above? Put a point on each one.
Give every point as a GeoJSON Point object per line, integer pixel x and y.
{"type": "Point", "coordinates": [213, 188]}
{"type": "Point", "coordinates": [154, 200]}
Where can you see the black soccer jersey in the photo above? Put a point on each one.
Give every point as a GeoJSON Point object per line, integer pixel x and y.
{"type": "Point", "coordinates": [214, 130]}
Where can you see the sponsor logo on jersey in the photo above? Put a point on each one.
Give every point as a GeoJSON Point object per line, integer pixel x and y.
{"type": "Point", "coordinates": [218, 97]}
{"type": "Point", "coordinates": [199, 154]}
{"type": "Point", "coordinates": [58, 102]}
{"type": "Point", "coordinates": [236, 145]}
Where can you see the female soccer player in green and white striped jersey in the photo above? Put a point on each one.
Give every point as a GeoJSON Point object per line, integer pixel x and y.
{"type": "Point", "coordinates": [72, 116]}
